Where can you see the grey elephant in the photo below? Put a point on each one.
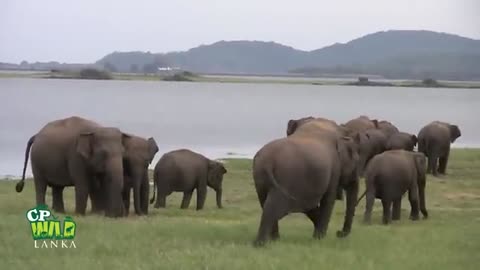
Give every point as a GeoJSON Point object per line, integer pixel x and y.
{"type": "Point", "coordinates": [301, 173]}
{"type": "Point", "coordinates": [81, 153]}
{"type": "Point", "coordinates": [184, 171]}
{"type": "Point", "coordinates": [388, 176]}
{"type": "Point", "coordinates": [402, 140]}
{"type": "Point", "coordinates": [140, 153]}
{"type": "Point", "coordinates": [434, 141]}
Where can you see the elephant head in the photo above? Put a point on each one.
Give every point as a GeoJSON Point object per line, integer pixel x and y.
{"type": "Point", "coordinates": [294, 124]}
{"type": "Point", "coordinates": [103, 150]}
{"type": "Point", "coordinates": [215, 173]}
{"type": "Point", "coordinates": [139, 153]}
{"type": "Point", "coordinates": [387, 128]}
{"type": "Point", "coordinates": [454, 133]}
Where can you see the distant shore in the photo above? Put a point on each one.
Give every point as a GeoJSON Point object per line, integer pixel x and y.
{"type": "Point", "coordinates": [190, 77]}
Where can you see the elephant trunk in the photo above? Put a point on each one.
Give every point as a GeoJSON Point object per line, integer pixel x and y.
{"type": "Point", "coordinates": [115, 179]}
{"type": "Point", "coordinates": [20, 185]}
{"type": "Point", "coordinates": [352, 194]}
{"type": "Point", "coordinates": [219, 197]}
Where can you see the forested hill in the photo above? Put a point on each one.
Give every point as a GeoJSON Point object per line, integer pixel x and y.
{"type": "Point", "coordinates": [392, 54]}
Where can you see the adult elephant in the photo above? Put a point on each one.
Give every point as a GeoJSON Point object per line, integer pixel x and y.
{"type": "Point", "coordinates": [81, 153]}
{"type": "Point", "coordinates": [434, 141]}
{"type": "Point", "coordinates": [402, 140]}
{"type": "Point", "coordinates": [301, 173]}
{"type": "Point", "coordinates": [139, 154]}
{"type": "Point", "coordinates": [388, 176]}
{"type": "Point", "coordinates": [185, 171]}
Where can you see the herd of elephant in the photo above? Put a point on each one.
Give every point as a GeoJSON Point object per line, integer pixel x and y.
{"type": "Point", "coordinates": [305, 172]}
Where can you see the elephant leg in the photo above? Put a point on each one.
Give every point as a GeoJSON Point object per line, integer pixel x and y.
{"type": "Point", "coordinates": [144, 194]}
{"type": "Point", "coordinates": [370, 199]}
{"type": "Point", "coordinates": [40, 186]}
{"type": "Point", "coordinates": [274, 208]}
{"type": "Point", "coordinates": [413, 198]}
{"type": "Point", "coordinates": [433, 162]}
{"type": "Point", "coordinates": [397, 209]}
{"type": "Point", "coordinates": [126, 200]}
{"type": "Point", "coordinates": [201, 195]}
{"type": "Point", "coordinates": [442, 163]}
{"type": "Point", "coordinates": [326, 208]}
{"type": "Point", "coordinates": [57, 199]}
{"type": "Point", "coordinates": [314, 216]}
{"type": "Point", "coordinates": [262, 197]}
{"type": "Point", "coordinates": [421, 195]}
{"type": "Point", "coordinates": [387, 206]}
{"type": "Point", "coordinates": [161, 201]}
{"type": "Point", "coordinates": [187, 197]}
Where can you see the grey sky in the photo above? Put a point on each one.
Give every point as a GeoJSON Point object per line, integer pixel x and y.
{"type": "Point", "coordinates": [85, 30]}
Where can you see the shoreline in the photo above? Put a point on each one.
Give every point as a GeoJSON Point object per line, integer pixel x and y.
{"type": "Point", "coordinates": [295, 80]}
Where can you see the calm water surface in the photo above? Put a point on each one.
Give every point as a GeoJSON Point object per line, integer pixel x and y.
{"type": "Point", "coordinates": [217, 119]}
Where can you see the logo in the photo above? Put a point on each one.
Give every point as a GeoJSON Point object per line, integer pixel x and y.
{"type": "Point", "coordinates": [48, 231]}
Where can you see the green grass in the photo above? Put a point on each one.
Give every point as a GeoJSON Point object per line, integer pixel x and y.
{"type": "Point", "coordinates": [222, 239]}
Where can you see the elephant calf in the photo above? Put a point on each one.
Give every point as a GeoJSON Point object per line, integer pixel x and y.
{"type": "Point", "coordinates": [434, 141]}
{"type": "Point", "coordinates": [388, 176]}
{"type": "Point", "coordinates": [184, 171]}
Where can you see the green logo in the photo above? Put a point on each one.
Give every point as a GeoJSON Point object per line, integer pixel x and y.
{"type": "Point", "coordinates": [45, 226]}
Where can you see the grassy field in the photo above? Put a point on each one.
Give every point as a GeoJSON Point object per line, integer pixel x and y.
{"type": "Point", "coordinates": [222, 239]}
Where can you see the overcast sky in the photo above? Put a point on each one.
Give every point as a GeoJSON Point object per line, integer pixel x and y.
{"type": "Point", "coordinates": [85, 30]}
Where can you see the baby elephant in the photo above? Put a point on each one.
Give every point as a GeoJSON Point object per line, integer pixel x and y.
{"type": "Point", "coordinates": [184, 171]}
{"type": "Point", "coordinates": [388, 176]}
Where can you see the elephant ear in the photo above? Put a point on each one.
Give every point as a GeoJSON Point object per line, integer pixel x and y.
{"type": "Point", "coordinates": [454, 132]}
{"type": "Point", "coordinates": [291, 126]}
{"type": "Point", "coordinates": [375, 123]}
{"type": "Point", "coordinates": [84, 144]}
{"type": "Point", "coordinates": [152, 148]}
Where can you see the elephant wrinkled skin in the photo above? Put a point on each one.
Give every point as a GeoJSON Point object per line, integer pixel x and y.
{"type": "Point", "coordinates": [81, 153]}
{"type": "Point", "coordinates": [388, 176]}
{"type": "Point", "coordinates": [434, 141]}
{"type": "Point", "coordinates": [184, 170]}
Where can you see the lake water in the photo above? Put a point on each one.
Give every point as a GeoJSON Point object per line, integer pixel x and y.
{"type": "Point", "coordinates": [217, 119]}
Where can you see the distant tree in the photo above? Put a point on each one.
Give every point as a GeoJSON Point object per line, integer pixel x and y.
{"type": "Point", "coordinates": [150, 68]}
{"type": "Point", "coordinates": [363, 79]}
{"type": "Point", "coordinates": [133, 68]}
{"type": "Point", "coordinates": [430, 82]}
{"type": "Point", "coordinates": [24, 63]}
{"type": "Point", "coordinates": [94, 74]}
{"type": "Point", "coordinates": [110, 67]}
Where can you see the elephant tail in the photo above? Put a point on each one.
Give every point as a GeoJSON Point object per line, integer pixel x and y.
{"type": "Point", "coordinates": [361, 197]}
{"type": "Point", "coordinates": [152, 200]}
{"type": "Point", "coordinates": [277, 185]}
{"type": "Point", "coordinates": [21, 184]}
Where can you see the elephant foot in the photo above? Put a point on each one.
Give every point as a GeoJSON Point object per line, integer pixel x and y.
{"type": "Point", "coordinates": [259, 243]}
{"type": "Point", "coordinates": [414, 217]}
{"type": "Point", "coordinates": [396, 218]}
{"type": "Point", "coordinates": [318, 235]}
{"type": "Point", "coordinates": [342, 234]}
{"type": "Point", "coordinates": [367, 221]}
